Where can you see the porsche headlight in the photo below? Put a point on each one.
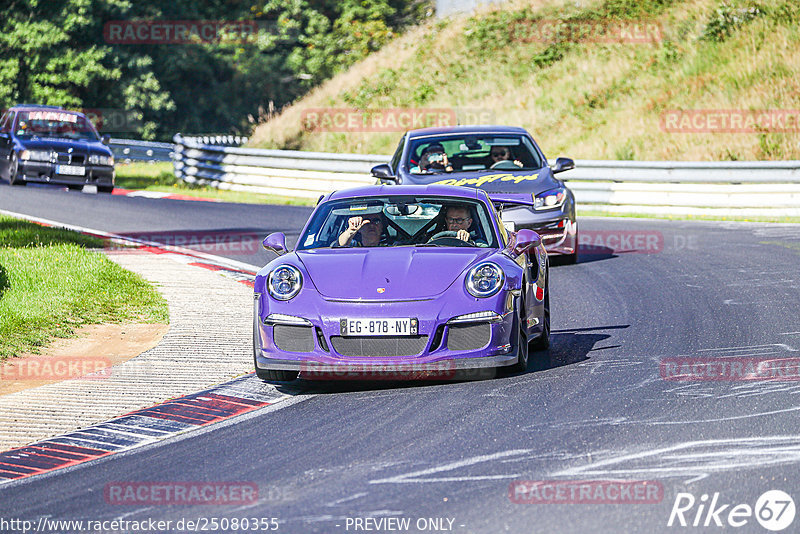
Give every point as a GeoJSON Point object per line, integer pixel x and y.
{"type": "Point", "coordinates": [550, 199]}
{"type": "Point", "coordinates": [35, 155]}
{"type": "Point", "coordinates": [101, 159]}
{"type": "Point", "coordinates": [484, 280]}
{"type": "Point", "coordinates": [285, 282]}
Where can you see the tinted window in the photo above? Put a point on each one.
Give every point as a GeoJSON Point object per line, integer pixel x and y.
{"type": "Point", "coordinates": [5, 122]}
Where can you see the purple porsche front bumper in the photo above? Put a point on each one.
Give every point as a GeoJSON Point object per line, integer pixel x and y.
{"type": "Point", "coordinates": [447, 338]}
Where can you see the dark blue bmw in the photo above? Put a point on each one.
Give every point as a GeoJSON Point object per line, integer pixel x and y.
{"type": "Point", "coordinates": [498, 159]}
{"type": "Point", "coordinates": [49, 144]}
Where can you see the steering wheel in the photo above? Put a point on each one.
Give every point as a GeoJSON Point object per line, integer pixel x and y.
{"type": "Point", "coordinates": [448, 239]}
{"type": "Point", "coordinates": [504, 164]}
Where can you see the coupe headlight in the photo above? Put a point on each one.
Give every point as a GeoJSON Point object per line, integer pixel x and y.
{"type": "Point", "coordinates": [550, 199]}
{"type": "Point", "coordinates": [35, 155]}
{"type": "Point", "coordinates": [285, 282]}
{"type": "Point", "coordinates": [484, 280]}
{"type": "Point", "coordinates": [100, 159]}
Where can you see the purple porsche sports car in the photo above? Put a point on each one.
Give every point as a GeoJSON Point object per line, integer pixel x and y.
{"type": "Point", "coordinates": [402, 277]}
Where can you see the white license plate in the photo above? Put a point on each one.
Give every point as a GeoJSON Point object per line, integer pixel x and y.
{"type": "Point", "coordinates": [70, 170]}
{"type": "Point", "coordinates": [379, 327]}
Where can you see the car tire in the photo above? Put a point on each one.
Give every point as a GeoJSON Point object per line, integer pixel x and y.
{"type": "Point", "coordinates": [13, 172]}
{"type": "Point", "coordinates": [522, 345]}
{"type": "Point", "coordinates": [270, 374]}
{"type": "Point", "coordinates": [542, 342]}
{"type": "Point", "coordinates": [572, 259]}
{"type": "Point", "coordinates": [105, 188]}
{"type": "Point", "coordinates": [276, 375]}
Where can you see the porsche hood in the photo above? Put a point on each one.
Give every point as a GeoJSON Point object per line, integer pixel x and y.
{"type": "Point", "coordinates": [387, 273]}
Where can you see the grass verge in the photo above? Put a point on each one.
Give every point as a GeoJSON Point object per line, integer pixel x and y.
{"type": "Point", "coordinates": [51, 284]}
{"type": "Point", "coordinates": [160, 177]}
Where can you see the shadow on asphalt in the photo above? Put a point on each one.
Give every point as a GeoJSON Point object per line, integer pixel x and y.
{"type": "Point", "coordinates": [567, 347]}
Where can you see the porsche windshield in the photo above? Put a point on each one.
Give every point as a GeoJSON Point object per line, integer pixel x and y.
{"type": "Point", "coordinates": [472, 153]}
{"type": "Point", "coordinates": [55, 123]}
{"type": "Point", "coordinates": [400, 222]}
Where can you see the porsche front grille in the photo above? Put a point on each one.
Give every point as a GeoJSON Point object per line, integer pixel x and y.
{"type": "Point", "coordinates": [379, 347]}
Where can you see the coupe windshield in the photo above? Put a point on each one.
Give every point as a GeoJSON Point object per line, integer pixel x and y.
{"type": "Point", "coordinates": [476, 153]}
{"type": "Point", "coordinates": [55, 123]}
{"type": "Point", "coordinates": [400, 221]}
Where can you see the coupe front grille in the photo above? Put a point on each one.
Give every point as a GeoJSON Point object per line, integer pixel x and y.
{"type": "Point", "coordinates": [468, 336]}
{"type": "Point", "coordinates": [71, 159]}
{"type": "Point", "coordinates": [379, 347]}
{"type": "Point", "coordinates": [293, 338]}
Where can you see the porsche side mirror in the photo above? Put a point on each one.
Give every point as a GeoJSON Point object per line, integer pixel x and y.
{"type": "Point", "coordinates": [106, 139]}
{"type": "Point", "coordinates": [275, 243]}
{"type": "Point", "coordinates": [563, 164]}
{"type": "Point", "coordinates": [526, 239]}
{"type": "Point", "coordinates": [383, 172]}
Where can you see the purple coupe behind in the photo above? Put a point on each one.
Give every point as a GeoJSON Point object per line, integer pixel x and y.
{"type": "Point", "coordinates": [410, 295]}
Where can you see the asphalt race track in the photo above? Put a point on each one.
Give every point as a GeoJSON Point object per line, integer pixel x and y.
{"type": "Point", "coordinates": [598, 406]}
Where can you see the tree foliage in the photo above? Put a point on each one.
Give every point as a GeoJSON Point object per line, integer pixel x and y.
{"type": "Point", "coordinates": [55, 52]}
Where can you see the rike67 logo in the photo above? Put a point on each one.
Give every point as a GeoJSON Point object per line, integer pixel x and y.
{"type": "Point", "coordinates": [774, 510]}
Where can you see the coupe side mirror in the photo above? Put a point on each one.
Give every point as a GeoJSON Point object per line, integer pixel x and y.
{"type": "Point", "coordinates": [526, 240]}
{"type": "Point", "coordinates": [563, 164]}
{"type": "Point", "coordinates": [106, 139]}
{"type": "Point", "coordinates": [383, 172]}
{"type": "Point", "coordinates": [275, 243]}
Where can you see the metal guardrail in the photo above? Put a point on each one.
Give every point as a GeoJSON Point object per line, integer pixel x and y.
{"type": "Point", "coordinates": [127, 150]}
{"type": "Point", "coordinates": [751, 187]}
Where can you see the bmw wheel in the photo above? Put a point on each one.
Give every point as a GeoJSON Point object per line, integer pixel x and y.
{"type": "Point", "coordinates": [13, 172]}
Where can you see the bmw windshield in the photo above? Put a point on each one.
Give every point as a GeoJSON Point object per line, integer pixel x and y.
{"type": "Point", "coordinates": [55, 124]}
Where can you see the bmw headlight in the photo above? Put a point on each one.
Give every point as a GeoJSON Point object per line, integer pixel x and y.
{"type": "Point", "coordinates": [285, 282]}
{"type": "Point", "coordinates": [550, 199]}
{"type": "Point", "coordinates": [101, 159]}
{"type": "Point", "coordinates": [484, 280]}
{"type": "Point", "coordinates": [35, 155]}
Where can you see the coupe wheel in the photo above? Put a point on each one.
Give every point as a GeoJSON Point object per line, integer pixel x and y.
{"type": "Point", "coordinates": [522, 346]}
{"type": "Point", "coordinates": [543, 341]}
{"type": "Point", "coordinates": [13, 172]}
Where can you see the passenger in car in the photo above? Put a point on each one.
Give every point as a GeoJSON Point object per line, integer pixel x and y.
{"type": "Point", "coordinates": [433, 159]}
{"type": "Point", "coordinates": [371, 228]}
